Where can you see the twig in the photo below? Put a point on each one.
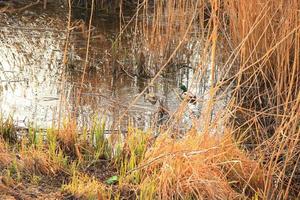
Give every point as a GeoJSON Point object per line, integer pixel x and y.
{"type": "Point", "coordinates": [122, 67]}
{"type": "Point", "coordinates": [27, 6]}
{"type": "Point", "coordinates": [185, 154]}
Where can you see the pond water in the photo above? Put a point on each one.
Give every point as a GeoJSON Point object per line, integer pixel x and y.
{"type": "Point", "coordinates": [37, 88]}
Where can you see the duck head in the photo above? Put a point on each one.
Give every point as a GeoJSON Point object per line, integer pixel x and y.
{"type": "Point", "coordinates": [183, 88]}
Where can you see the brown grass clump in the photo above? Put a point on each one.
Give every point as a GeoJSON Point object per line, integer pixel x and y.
{"type": "Point", "coordinates": [200, 167]}
{"type": "Point", "coordinates": [7, 130]}
{"type": "Point", "coordinates": [5, 157]}
{"type": "Point", "coordinates": [34, 161]}
{"type": "Point", "coordinates": [67, 140]}
{"type": "Point", "coordinates": [38, 162]}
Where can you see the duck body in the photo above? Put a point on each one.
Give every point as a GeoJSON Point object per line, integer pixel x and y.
{"type": "Point", "coordinates": [151, 97]}
{"type": "Point", "coordinates": [162, 115]}
{"type": "Point", "coordinates": [192, 110]}
{"type": "Point", "coordinates": [188, 96]}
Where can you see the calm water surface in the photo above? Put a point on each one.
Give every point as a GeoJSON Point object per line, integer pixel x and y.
{"type": "Point", "coordinates": [33, 87]}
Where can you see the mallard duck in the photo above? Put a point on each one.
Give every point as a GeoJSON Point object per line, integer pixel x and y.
{"type": "Point", "coordinates": [191, 98]}
{"type": "Point", "coordinates": [162, 114]}
{"type": "Point", "coordinates": [150, 96]}
{"type": "Point", "coordinates": [192, 110]}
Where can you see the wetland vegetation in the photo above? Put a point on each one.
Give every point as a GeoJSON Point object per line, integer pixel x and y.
{"type": "Point", "coordinates": [150, 99]}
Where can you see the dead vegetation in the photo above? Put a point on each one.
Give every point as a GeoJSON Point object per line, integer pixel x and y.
{"type": "Point", "coordinates": [256, 156]}
{"type": "Point", "coordinates": [200, 168]}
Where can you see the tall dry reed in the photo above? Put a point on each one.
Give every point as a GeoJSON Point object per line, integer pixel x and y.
{"type": "Point", "coordinates": [263, 68]}
{"type": "Point", "coordinates": [266, 37]}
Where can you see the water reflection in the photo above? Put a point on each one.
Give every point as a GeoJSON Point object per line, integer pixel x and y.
{"type": "Point", "coordinates": [31, 70]}
{"type": "Point", "coordinates": [31, 53]}
{"type": "Point", "coordinates": [30, 67]}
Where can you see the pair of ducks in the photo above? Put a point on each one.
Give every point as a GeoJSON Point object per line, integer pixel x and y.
{"type": "Point", "coordinates": [151, 97]}
{"type": "Point", "coordinates": [162, 114]}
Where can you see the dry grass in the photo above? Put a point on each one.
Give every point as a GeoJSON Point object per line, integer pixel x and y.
{"type": "Point", "coordinates": [38, 162]}
{"type": "Point", "coordinates": [263, 38]}
{"type": "Point", "coordinates": [267, 95]}
{"type": "Point", "coordinates": [264, 71]}
{"type": "Point", "coordinates": [7, 130]}
{"type": "Point", "coordinates": [29, 160]}
{"type": "Point", "coordinates": [84, 187]}
{"type": "Point", "coordinates": [200, 168]}
{"type": "Point", "coordinates": [5, 156]}
{"type": "Point", "coordinates": [68, 140]}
